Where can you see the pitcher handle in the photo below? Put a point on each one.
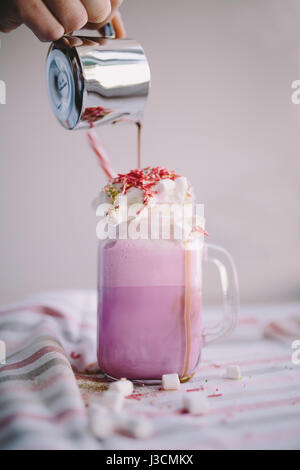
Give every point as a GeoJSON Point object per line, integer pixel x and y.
{"type": "Point", "coordinates": [230, 290]}
{"type": "Point", "coordinates": [107, 31]}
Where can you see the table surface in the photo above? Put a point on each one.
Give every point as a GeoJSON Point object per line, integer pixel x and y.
{"type": "Point", "coordinates": [259, 411]}
{"type": "Point", "coordinates": [42, 406]}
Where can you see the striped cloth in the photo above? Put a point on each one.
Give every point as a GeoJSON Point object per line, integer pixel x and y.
{"type": "Point", "coordinates": [40, 403]}
{"type": "Point", "coordinates": [50, 376]}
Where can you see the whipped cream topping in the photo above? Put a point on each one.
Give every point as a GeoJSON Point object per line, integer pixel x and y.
{"type": "Point", "coordinates": [149, 188]}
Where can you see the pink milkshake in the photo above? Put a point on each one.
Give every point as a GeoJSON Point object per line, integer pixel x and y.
{"type": "Point", "coordinates": [146, 328]}
{"type": "Point", "coordinates": [149, 305]}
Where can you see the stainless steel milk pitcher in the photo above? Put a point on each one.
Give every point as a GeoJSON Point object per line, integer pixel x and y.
{"type": "Point", "coordinates": [97, 80]}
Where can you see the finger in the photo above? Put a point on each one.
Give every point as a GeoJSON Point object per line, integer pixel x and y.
{"type": "Point", "coordinates": [9, 18]}
{"type": "Point", "coordinates": [115, 4]}
{"type": "Point", "coordinates": [40, 20]}
{"type": "Point", "coordinates": [70, 13]}
{"type": "Point", "coordinates": [97, 10]}
{"type": "Point", "coordinates": [118, 26]}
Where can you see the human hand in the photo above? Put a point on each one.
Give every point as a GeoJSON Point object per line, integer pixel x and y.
{"type": "Point", "coordinates": [51, 19]}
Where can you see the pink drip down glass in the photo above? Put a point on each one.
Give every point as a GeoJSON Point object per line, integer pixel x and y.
{"type": "Point", "coordinates": [150, 306]}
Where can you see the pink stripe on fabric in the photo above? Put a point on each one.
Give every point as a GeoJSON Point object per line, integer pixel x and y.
{"type": "Point", "coordinates": [279, 329]}
{"type": "Point", "coordinates": [31, 359]}
{"type": "Point", "coordinates": [256, 406]}
{"type": "Point", "coordinates": [35, 309]}
{"type": "Point", "coordinates": [247, 362]}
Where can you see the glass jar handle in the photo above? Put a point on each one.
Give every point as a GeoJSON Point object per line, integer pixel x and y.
{"type": "Point", "coordinates": [230, 290]}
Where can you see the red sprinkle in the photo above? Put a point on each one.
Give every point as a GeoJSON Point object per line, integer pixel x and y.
{"type": "Point", "coordinates": [75, 356]}
{"type": "Point", "coordinates": [215, 395]}
{"type": "Point", "coordinates": [195, 389]}
{"type": "Point", "coordinates": [135, 396]}
{"type": "Point", "coordinates": [144, 179]}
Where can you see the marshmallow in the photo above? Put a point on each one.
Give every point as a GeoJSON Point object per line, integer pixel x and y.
{"type": "Point", "coordinates": [123, 386]}
{"type": "Point", "coordinates": [133, 196]}
{"type": "Point", "coordinates": [139, 428]}
{"type": "Point", "coordinates": [181, 189]}
{"type": "Point", "coordinates": [111, 400]}
{"type": "Point", "coordinates": [165, 186]}
{"type": "Point", "coordinates": [101, 423]}
{"type": "Point", "coordinates": [233, 372]}
{"type": "Point", "coordinates": [195, 403]}
{"type": "Point", "coordinates": [170, 382]}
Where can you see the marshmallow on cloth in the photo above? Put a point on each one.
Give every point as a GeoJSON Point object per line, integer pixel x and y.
{"type": "Point", "coordinates": [170, 382]}
{"type": "Point", "coordinates": [123, 386]}
{"type": "Point", "coordinates": [195, 403]}
{"type": "Point", "coordinates": [137, 427]}
{"type": "Point", "coordinates": [113, 401]}
{"type": "Point", "coordinates": [233, 372]}
{"type": "Point", "coordinates": [100, 421]}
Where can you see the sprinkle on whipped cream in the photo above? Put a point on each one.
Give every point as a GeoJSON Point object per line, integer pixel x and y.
{"type": "Point", "coordinates": [145, 187]}
{"type": "Point", "coordinates": [144, 179]}
{"type": "Point", "coordinates": [149, 188]}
